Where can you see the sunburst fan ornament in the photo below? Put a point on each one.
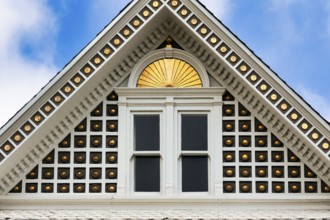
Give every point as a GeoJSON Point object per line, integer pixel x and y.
{"type": "Point", "coordinates": [169, 73]}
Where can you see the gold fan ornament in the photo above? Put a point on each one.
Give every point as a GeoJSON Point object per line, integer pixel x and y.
{"type": "Point", "coordinates": [169, 73]}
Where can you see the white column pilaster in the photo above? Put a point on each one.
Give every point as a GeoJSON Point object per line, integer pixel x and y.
{"type": "Point", "coordinates": [123, 165]}
{"type": "Point", "coordinates": [217, 145]}
{"type": "Point", "coordinates": [169, 149]}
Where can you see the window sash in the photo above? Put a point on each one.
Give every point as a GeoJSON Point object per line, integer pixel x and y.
{"type": "Point", "coordinates": [194, 178]}
{"type": "Point", "coordinates": [146, 160]}
{"type": "Point", "coordinates": [147, 173]}
{"type": "Point", "coordinates": [146, 132]}
{"type": "Point", "coordinates": [194, 132]}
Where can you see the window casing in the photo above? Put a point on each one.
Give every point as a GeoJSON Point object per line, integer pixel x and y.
{"type": "Point", "coordinates": [187, 142]}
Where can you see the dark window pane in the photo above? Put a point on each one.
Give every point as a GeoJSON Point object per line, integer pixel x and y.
{"type": "Point", "coordinates": [194, 174]}
{"type": "Point", "coordinates": [146, 132]}
{"type": "Point", "coordinates": [194, 132]}
{"type": "Point", "coordinates": [147, 174]}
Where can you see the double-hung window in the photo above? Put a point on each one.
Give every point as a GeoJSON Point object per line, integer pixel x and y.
{"type": "Point", "coordinates": [147, 156]}
{"type": "Point", "coordinates": [170, 142]}
{"type": "Point", "coordinates": [194, 152]}
{"type": "Point", "coordinates": [147, 153]}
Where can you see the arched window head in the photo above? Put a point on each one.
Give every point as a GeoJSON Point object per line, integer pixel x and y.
{"type": "Point", "coordinates": [169, 72]}
{"type": "Point", "coordinates": [166, 68]}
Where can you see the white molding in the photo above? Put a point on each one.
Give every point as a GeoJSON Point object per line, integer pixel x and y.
{"type": "Point", "coordinates": [168, 53]}
{"type": "Point", "coordinates": [164, 92]}
{"type": "Point", "coordinates": [170, 180]}
{"type": "Point", "coordinates": [111, 202]}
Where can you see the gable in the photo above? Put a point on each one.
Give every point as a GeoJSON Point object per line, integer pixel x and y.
{"type": "Point", "coordinates": [112, 56]}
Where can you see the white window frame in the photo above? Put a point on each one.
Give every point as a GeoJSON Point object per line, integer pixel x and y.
{"type": "Point", "coordinates": [169, 103]}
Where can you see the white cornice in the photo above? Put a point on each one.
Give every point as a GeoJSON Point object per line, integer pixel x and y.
{"type": "Point", "coordinates": [115, 202]}
{"type": "Point", "coordinates": [164, 92]}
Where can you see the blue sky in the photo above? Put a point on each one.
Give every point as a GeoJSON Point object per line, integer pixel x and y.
{"type": "Point", "coordinates": [38, 37]}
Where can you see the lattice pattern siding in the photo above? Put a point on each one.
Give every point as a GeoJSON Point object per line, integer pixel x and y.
{"type": "Point", "coordinates": [85, 161]}
{"type": "Point", "coordinates": [255, 161]}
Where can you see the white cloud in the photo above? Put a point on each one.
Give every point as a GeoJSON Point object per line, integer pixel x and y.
{"type": "Point", "coordinates": [27, 46]}
{"type": "Point", "coordinates": [220, 8]}
{"type": "Point", "coordinates": [317, 101]}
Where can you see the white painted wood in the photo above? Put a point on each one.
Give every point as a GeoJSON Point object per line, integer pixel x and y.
{"type": "Point", "coordinates": [122, 150]}
{"type": "Point", "coordinates": [169, 150]}
{"type": "Point", "coordinates": [216, 151]}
